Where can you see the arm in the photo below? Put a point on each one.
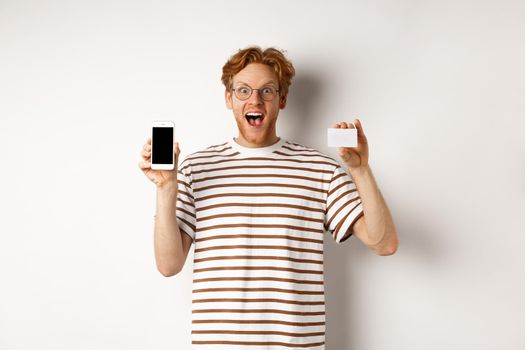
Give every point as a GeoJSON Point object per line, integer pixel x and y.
{"type": "Point", "coordinates": [376, 227]}
{"type": "Point", "coordinates": [171, 245]}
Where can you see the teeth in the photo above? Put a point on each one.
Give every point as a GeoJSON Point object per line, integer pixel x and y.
{"type": "Point", "coordinates": [253, 114]}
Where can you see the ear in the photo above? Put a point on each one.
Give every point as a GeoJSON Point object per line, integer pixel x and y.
{"type": "Point", "coordinates": [228, 99]}
{"type": "Point", "coordinates": [282, 101]}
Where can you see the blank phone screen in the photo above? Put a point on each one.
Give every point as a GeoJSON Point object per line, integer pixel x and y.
{"type": "Point", "coordinates": [162, 145]}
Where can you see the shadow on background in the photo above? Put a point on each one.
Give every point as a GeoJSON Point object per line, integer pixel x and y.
{"type": "Point", "coordinates": [301, 111]}
{"type": "Point", "coordinates": [304, 94]}
{"type": "Point", "coordinates": [341, 260]}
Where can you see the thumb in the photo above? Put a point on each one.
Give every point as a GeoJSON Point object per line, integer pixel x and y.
{"type": "Point", "coordinates": [345, 154]}
{"type": "Point", "coordinates": [176, 150]}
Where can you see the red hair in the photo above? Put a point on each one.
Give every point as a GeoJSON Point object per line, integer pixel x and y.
{"type": "Point", "coordinates": [271, 57]}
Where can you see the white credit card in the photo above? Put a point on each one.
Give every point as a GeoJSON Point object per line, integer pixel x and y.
{"type": "Point", "coordinates": [342, 137]}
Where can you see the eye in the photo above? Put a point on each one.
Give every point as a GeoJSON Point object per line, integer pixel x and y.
{"type": "Point", "coordinates": [267, 91]}
{"type": "Point", "coordinates": [243, 90]}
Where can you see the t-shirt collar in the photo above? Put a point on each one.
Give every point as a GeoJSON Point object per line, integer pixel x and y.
{"type": "Point", "coordinates": [254, 151]}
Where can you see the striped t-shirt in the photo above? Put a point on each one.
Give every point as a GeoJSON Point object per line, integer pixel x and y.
{"type": "Point", "coordinates": [257, 217]}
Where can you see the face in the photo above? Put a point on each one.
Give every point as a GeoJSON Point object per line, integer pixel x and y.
{"type": "Point", "coordinates": [256, 133]}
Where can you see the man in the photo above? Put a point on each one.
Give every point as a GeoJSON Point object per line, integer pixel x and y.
{"type": "Point", "coordinates": [257, 208]}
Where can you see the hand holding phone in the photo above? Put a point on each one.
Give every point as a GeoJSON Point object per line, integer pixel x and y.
{"type": "Point", "coordinates": [160, 154]}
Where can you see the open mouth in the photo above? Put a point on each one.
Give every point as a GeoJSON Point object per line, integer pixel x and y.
{"type": "Point", "coordinates": [254, 118]}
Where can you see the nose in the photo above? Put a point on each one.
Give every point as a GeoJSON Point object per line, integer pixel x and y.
{"type": "Point", "coordinates": [255, 98]}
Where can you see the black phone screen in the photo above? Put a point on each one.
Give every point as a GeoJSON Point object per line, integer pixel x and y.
{"type": "Point", "coordinates": [162, 145]}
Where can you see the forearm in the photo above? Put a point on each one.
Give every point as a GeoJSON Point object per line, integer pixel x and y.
{"type": "Point", "coordinates": [168, 240]}
{"type": "Point", "coordinates": [379, 223]}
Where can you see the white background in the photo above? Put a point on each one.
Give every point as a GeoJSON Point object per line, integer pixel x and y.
{"type": "Point", "coordinates": [438, 85]}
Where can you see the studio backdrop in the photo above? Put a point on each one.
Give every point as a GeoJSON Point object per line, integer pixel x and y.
{"type": "Point", "coordinates": [437, 85]}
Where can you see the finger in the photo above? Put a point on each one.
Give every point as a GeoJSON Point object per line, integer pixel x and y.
{"type": "Point", "coordinates": [146, 147]}
{"type": "Point", "coordinates": [351, 126]}
{"type": "Point", "coordinates": [146, 155]}
{"type": "Point", "coordinates": [344, 125]}
{"type": "Point", "coordinates": [345, 153]}
{"type": "Point", "coordinates": [177, 152]}
{"type": "Point", "coordinates": [144, 165]}
{"type": "Point", "coordinates": [359, 126]}
{"type": "Point", "coordinates": [149, 141]}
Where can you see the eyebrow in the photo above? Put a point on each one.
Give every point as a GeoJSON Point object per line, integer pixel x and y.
{"type": "Point", "coordinates": [265, 84]}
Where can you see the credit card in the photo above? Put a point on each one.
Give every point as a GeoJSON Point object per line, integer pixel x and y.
{"type": "Point", "coordinates": [342, 137]}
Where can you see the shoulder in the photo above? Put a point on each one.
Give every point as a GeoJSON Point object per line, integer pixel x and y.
{"type": "Point", "coordinates": [221, 149]}
{"type": "Point", "coordinates": [298, 150]}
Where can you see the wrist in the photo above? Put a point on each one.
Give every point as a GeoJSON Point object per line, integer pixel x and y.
{"type": "Point", "coordinates": [169, 189]}
{"type": "Point", "coordinates": [360, 172]}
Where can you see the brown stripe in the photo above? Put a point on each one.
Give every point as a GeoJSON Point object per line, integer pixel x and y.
{"type": "Point", "coordinates": [301, 150]}
{"type": "Point", "coordinates": [185, 211]}
{"type": "Point", "coordinates": [215, 155]}
{"type": "Point", "coordinates": [213, 279]}
{"type": "Point", "coordinates": [219, 145]}
{"type": "Point", "coordinates": [283, 247]}
{"type": "Point", "coordinates": [292, 238]}
{"type": "Point", "coordinates": [211, 150]}
{"type": "Point", "coordinates": [314, 334]}
{"type": "Point", "coordinates": [341, 196]}
{"type": "Point", "coordinates": [262, 311]}
{"type": "Point", "coordinates": [185, 202]}
{"type": "Point", "coordinates": [303, 147]}
{"type": "Point", "coordinates": [180, 182]}
{"type": "Point", "coordinates": [286, 323]}
{"type": "Point", "coordinates": [280, 290]}
{"type": "Point", "coordinates": [262, 167]}
{"type": "Point", "coordinates": [298, 228]}
{"type": "Point", "coordinates": [226, 156]}
{"type": "Point", "coordinates": [338, 227]}
{"type": "Point", "coordinates": [283, 301]}
{"type": "Point", "coordinates": [338, 187]}
{"type": "Point", "coordinates": [243, 257]}
{"type": "Point", "coordinates": [296, 217]}
{"type": "Point", "coordinates": [320, 190]}
{"type": "Point", "coordinates": [187, 223]}
{"type": "Point", "coordinates": [327, 225]}
{"type": "Point", "coordinates": [258, 268]}
{"type": "Point", "coordinates": [262, 205]}
{"type": "Point", "coordinates": [313, 179]}
{"type": "Point", "coordinates": [184, 175]}
{"type": "Point", "coordinates": [349, 232]}
{"type": "Point", "coordinates": [338, 175]}
{"type": "Point", "coordinates": [261, 158]}
{"type": "Point", "coordinates": [302, 154]}
{"type": "Point", "coordinates": [261, 343]}
{"type": "Point", "coordinates": [186, 194]}
{"type": "Point", "coordinates": [273, 195]}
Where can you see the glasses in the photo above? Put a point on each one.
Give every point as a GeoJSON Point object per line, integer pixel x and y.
{"type": "Point", "coordinates": [244, 92]}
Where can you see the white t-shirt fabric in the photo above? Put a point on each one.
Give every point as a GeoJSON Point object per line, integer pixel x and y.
{"type": "Point", "coordinates": [257, 217]}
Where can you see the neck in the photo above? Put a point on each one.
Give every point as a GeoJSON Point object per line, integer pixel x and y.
{"type": "Point", "coordinates": [264, 143]}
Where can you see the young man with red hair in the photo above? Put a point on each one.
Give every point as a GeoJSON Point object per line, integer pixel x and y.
{"type": "Point", "coordinates": [257, 207]}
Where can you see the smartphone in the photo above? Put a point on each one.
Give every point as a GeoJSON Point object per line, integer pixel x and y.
{"type": "Point", "coordinates": [162, 138]}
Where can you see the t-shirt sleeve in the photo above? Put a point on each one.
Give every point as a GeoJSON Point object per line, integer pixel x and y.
{"type": "Point", "coordinates": [186, 217]}
{"type": "Point", "coordinates": [343, 206]}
